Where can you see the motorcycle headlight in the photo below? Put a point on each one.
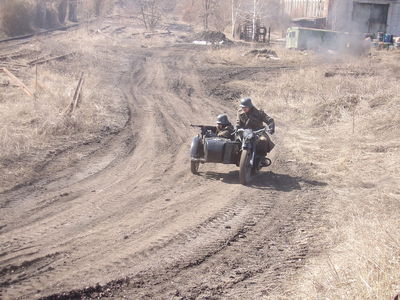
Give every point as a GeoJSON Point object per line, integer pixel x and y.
{"type": "Point", "coordinates": [248, 134]}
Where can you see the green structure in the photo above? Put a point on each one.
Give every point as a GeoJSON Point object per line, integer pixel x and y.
{"type": "Point", "coordinates": [301, 38]}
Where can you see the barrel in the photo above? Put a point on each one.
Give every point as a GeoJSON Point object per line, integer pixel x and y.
{"type": "Point", "coordinates": [388, 38]}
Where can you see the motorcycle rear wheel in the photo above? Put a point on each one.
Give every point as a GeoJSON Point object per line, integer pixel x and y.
{"type": "Point", "coordinates": [245, 167]}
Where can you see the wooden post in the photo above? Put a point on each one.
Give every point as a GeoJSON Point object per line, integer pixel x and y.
{"type": "Point", "coordinates": [254, 20]}
{"type": "Point", "coordinates": [77, 94]}
{"type": "Point", "coordinates": [36, 81]}
{"type": "Point", "coordinates": [269, 35]}
{"type": "Point", "coordinates": [233, 17]}
{"type": "Point", "coordinates": [75, 100]}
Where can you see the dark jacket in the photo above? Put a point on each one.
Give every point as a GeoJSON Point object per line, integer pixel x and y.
{"type": "Point", "coordinates": [254, 119]}
{"type": "Point", "coordinates": [226, 132]}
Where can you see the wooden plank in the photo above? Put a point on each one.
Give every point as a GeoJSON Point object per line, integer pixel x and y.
{"type": "Point", "coordinates": [18, 82]}
{"type": "Point", "coordinates": [42, 61]}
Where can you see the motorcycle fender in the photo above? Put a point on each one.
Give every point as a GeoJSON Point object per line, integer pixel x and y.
{"type": "Point", "coordinates": [253, 155]}
{"type": "Point", "coordinates": [246, 146]}
{"type": "Point", "coordinates": [195, 147]}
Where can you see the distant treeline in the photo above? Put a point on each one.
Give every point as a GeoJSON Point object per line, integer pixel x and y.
{"type": "Point", "coordinates": [18, 17]}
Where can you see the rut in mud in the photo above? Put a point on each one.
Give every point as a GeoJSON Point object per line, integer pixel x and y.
{"type": "Point", "coordinates": [130, 219]}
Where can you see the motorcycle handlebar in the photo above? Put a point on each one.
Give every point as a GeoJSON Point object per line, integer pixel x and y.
{"type": "Point", "coordinates": [201, 126]}
{"type": "Point", "coordinates": [255, 131]}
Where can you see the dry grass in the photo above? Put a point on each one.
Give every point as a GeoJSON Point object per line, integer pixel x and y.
{"type": "Point", "coordinates": [348, 125]}
{"type": "Point", "coordinates": [237, 56]}
{"type": "Point", "coordinates": [341, 114]}
{"type": "Point", "coordinates": [31, 128]}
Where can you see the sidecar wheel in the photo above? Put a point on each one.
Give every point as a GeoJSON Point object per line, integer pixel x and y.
{"type": "Point", "coordinates": [194, 167]}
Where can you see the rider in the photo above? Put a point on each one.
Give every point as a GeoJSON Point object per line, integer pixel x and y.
{"type": "Point", "coordinates": [224, 127]}
{"type": "Point", "coordinates": [249, 117]}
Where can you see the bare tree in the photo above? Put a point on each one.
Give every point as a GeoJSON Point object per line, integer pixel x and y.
{"type": "Point", "coordinates": [235, 7]}
{"type": "Point", "coordinates": [211, 14]}
{"type": "Point", "coordinates": [256, 8]}
{"type": "Point", "coordinates": [207, 4]}
{"type": "Point", "coordinates": [63, 11]}
{"type": "Point", "coordinates": [215, 14]}
{"type": "Point", "coordinates": [151, 13]}
{"type": "Point", "coordinates": [73, 11]}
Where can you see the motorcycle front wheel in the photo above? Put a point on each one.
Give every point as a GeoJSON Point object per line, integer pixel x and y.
{"type": "Point", "coordinates": [194, 167]}
{"type": "Point", "coordinates": [245, 167]}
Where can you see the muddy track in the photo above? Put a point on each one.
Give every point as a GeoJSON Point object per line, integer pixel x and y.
{"type": "Point", "coordinates": [131, 219]}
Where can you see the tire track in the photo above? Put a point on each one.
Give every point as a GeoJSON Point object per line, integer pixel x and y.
{"type": "Point", "coordinates": [144, 219]}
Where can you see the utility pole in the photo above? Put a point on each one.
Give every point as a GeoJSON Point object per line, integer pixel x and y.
{"type": "Point", "coordinates": [254, 19]}
{"type": "Point", "coordinates": [233, 18]}
{"type": "Point", "coordinates": [306, 8]}
{"type": "Point", "coordinates": [86, 14]}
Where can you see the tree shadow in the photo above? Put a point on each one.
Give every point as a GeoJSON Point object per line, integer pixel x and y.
{"type": "Point", "coordinates": [266, 180]}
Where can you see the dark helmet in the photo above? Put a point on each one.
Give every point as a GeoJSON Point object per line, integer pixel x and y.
{"type": "Point", "coordinates": [246, 102]}
{"type": "Point", "coordinates": [223, 119]}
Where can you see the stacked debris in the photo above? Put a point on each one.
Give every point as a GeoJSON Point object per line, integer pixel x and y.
{"type": "Point", "coordinates": [210, 38]}
{"type": "Point", "coordinates": [262, 53]}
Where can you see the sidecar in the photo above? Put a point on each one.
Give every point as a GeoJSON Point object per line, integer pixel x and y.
{"type": "Point", "coordinates": [213, 150]}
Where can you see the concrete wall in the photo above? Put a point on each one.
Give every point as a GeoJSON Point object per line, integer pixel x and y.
{"type": "Point", "coordinates": [339, 16]}
{"type": "Point", "coordinates": [394, 18]}
{"type": "Point", "coordinates": [341, 11]}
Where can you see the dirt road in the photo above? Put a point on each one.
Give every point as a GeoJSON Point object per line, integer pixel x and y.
{"type": "Point", "coordinates": [131, 221]}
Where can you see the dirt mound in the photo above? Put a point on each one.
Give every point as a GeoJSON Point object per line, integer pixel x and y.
{"type": "Point", "coordinates": [213, 37]}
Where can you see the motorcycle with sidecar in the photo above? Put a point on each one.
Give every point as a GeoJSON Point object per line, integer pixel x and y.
{"type": "Point", "coordinates": [207, 147]}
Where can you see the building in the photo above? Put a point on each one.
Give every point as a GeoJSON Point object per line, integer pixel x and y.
{"type": "Point", "coordinates": [366, 16]}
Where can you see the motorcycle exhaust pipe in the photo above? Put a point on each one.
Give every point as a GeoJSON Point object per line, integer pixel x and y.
{"type": "Point", "coordinates": [202, 160]}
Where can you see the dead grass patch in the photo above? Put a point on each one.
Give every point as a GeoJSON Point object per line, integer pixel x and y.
{"type": "Point", "coordinates": [238, 56]}
{"type": "Point", "coordinates": [348, 126]}
{"type": "Point", "coordinates": [31, 127]}
{"type": "Point", "coordinates": [341, 114]}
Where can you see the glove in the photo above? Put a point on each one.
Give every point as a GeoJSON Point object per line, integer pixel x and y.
{"type": "Point", "coordinates": [271, 127]}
